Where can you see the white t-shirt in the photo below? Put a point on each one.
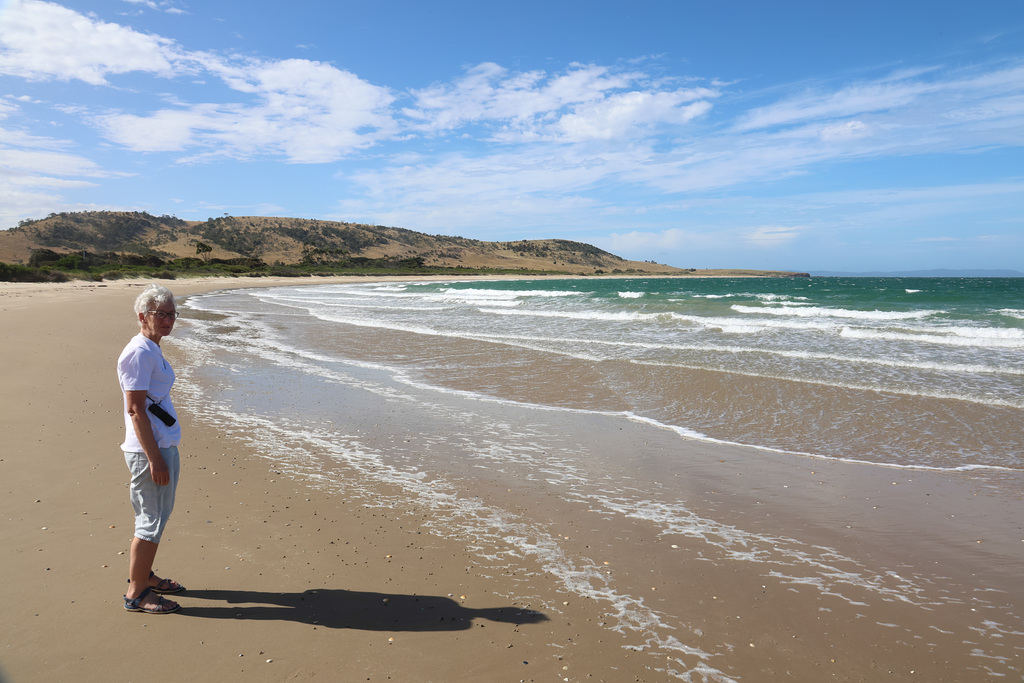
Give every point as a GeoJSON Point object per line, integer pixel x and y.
{"type": "Point", "coordinates": [141, 367]}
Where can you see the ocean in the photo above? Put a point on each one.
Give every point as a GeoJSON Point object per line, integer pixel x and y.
{"type": "Point", "coordinates": [472, 398]}
{"type": "Point", "coordinates": [924, 372]}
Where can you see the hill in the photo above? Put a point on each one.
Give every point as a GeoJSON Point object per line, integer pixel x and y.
{"type": "Point", "coordinates": [288, 241]}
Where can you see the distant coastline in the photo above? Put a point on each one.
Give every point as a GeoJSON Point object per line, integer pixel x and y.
{"type": "Point", "coordinates": [935, 272]}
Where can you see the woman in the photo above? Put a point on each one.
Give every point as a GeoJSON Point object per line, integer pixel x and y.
{"type": "Point", "coordinates": [152, 435]}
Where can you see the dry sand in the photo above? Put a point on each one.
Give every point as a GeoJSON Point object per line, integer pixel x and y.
{"type": "Point", "coordinates": [286, 583]}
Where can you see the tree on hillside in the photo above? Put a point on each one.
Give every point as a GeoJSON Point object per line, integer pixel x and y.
{"type": "Point", "coordinates": [203, 250]}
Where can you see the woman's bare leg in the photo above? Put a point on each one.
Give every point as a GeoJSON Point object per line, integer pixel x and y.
{"type": "Point", "coordinates": [140, 565]}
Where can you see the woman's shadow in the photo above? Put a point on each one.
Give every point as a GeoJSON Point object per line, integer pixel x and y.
{"type": "Point", "coordinates": [335, 608]}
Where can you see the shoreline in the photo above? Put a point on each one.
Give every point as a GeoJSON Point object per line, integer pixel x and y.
{"type": "Point", "coordinates": [302, 576]}
{"type": "Point", "coordinates": [244, 281]}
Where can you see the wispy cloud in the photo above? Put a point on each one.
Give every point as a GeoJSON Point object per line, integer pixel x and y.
{"type": "Point", "coordinates": [161, 6]}
{"type": "Point", "coordinates": [772, 235]}
{"type": "Point", "coordinates": [586, 102]}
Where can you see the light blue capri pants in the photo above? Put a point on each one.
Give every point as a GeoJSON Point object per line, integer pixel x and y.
{"type": "Point", "coordinates": [153, 504]}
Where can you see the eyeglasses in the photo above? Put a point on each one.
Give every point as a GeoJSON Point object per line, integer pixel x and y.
{"type": "Point", "coordinates": [163, 315]}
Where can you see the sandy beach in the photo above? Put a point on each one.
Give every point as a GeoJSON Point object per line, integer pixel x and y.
{"type": "Point", "coordinates": [288, 583]}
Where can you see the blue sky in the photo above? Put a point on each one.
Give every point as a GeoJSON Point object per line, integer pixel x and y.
{"type": "Point", "coordinates": [789, 135]}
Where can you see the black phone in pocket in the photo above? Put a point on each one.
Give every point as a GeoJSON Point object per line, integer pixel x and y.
{"type": "Point", "coordinates": [161, 414]}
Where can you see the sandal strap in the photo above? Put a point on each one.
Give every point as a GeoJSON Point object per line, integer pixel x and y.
{"type": "Point", "coordinates": [168, 586]}
{"type": "Point", "coordinates": [135, 602]}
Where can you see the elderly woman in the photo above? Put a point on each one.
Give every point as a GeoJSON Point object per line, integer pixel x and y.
{"type": "Point", "coordinates": [152, 435]}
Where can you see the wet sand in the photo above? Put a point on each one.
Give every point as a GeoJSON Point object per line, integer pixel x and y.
{"type": "Point", "coordinates": [287, 582]}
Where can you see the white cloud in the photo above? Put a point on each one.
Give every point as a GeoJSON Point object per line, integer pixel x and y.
{"type": "Point", "coordinates": [848, 101]}
{"type": "Point", "coordinates": [846, 130]}
{"type": "Point", "coordinates": [587, 102]}
{"type": "Point", "coordinates": [488, 92]}
{"type": "Point", "coordinates": [162, 131]}
{"type": "Point", "coordinates": [307, 111]}
{"type": "Point", "coordinates": [304, 110]}
{"type": "Point", "coordinates": [37, 162]}
{"type": "Point", "coordinates": [6, 108]}
{"type": "Point", "coordinates": [628, 114]}
{"type": "Point", "coordinates": [462, 179]}
{"type": "Point", "coordinates": [44, 41]}
{"type": "Point", "coordinates": [24, 153]}
{"type": "Point", "coordinates": [708, 159]}
{"type": "Point", "coordinates": [772, 235]}
{"type": "Point", "coordinates": [972, 110]}
{"type": "Point", "coordinates": [912, 97]}
{"type": "Point", "coordinates": [162, 6]}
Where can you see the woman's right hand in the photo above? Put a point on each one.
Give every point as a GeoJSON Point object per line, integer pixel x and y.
{"type": "Point", "coordinates": [158, 470]}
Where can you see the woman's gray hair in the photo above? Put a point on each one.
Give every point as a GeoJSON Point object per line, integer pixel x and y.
{"type": "Point", "coordinates": [152, 296]}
